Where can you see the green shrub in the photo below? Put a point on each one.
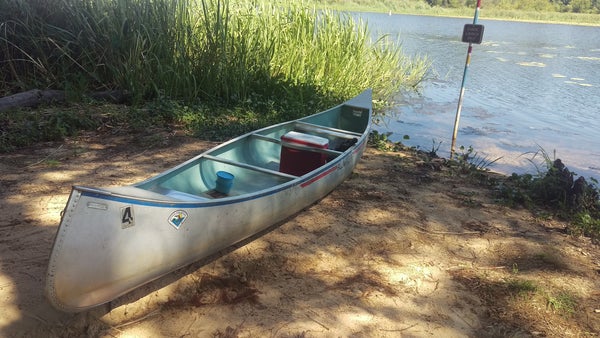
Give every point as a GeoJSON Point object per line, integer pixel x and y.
{"type": "Point", "coordinates": [584, 223]}
{"type": "Point", "coordinates": [563, 303]}
{"type": "Point", "coordinates": [468, 161]}
{"type": "Point", "coordinates": [557, 190]}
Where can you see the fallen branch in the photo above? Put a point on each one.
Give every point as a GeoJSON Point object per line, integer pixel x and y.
{"type": "Point", "coordinates": [45, 158]}
{"type": "Point", "coordinates": [31, 98]}
{"type": "Point", "coordinates": [447, 232]}
{"type": "Point", "coordinates": [135, 321]}
{"type": "Point", "coordinates": [400, 330]}
{"type": "Point", "coordinates": [316, 321]}
{"type": "Point", "coordinates": [36, 97]}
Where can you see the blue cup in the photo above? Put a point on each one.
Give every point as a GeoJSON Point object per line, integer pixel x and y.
{"type": "Point", "coordinates": [224, 182]}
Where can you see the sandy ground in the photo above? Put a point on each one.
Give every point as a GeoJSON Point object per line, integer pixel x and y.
{"type": "Point", "coordinates": [404, 248]}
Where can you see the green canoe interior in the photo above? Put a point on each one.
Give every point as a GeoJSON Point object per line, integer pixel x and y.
{"type": "Point", "coordinates": [254, 159]}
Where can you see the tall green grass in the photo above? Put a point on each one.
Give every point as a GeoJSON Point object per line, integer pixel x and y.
{"type": "Point", "coordinates": [193, 50]}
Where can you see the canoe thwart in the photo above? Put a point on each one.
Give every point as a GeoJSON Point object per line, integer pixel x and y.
{"type": "Point", "coordinates": [249, 166]}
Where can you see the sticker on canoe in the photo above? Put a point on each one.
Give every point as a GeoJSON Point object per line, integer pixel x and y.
{"type": "Point", "coordinates": [177, 218]}
{"type": "Point", "coordinates": [357, 113]}
{"type": "Point", "coordinates": [127, 219]}
{"type": "Point", "coordinates": [99, 206]}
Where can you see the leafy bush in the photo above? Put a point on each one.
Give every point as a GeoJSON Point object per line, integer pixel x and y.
{"type": "Point", "coordinates": [381, 141]}
{"type": "Point", "coordinates": [584, 223]}
{"type": "Point", "coordinates": [557, 190]}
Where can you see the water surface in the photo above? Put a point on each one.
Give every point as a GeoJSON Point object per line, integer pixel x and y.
{"type": "Point", "coordinates": [529, 87]}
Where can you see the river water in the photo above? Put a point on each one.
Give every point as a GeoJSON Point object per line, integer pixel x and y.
{"type": "Point", "coordinates": [529, 87]}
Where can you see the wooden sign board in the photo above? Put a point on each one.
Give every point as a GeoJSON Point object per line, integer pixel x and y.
{"type": "Point", "coordinates": [472, 33]}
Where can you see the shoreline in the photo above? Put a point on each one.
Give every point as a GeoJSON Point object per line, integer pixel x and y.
{"type": "Point", "coordinates": [482, 16]}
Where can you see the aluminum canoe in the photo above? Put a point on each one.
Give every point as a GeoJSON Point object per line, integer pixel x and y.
{"type": "Point", "coordinates": [115, 239]}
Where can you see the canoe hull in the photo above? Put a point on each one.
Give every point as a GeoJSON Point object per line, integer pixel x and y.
{"type": "Point", "coordinates": [110, 243]}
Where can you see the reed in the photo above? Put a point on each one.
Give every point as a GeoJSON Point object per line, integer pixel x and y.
{"type": "Point", "coordinates": [196, 50]}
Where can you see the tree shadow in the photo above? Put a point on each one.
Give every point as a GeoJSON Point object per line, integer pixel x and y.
{"type": "Point", "coordinates": [35, 184]}
{"type": "Point", "coordinates": [375, 258]}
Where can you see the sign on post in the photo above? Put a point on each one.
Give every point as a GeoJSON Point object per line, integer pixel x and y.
{"type": "Point", "coordinates": [472, 33]}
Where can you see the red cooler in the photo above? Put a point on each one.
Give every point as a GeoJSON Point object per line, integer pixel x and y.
{"type": "Point", "coordinates": [297, 161]}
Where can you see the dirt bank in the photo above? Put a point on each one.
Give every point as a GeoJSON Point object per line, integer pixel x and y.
{"type": "Point", "coordinates": [402, 248]}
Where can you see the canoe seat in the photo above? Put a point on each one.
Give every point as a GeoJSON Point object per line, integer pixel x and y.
{"type": "Point", "coordinates": [339, 140]}
{"type": "Point", "coordinates": [183, 196]}
{"type": "Point", "coordinates": [334, 132]}
{"type": "Point", "coordinates": [249, 167]}
{"type": "Point", "coordinates": [266, 138]}
{"type": "Point", "coordinates": [156, 193]}
{"type": "Point", "coordinates": [330, 152]}
{"type": "Point", "coordinates": [132, 191]}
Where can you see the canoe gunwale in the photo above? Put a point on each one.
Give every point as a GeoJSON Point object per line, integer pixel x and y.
{"type": "Point", "coordinates": [167, 201]}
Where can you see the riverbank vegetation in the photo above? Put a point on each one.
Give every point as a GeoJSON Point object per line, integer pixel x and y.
{"type": "Point", "coordinates": [204, 63]}
{"type": "Point", "coordinates": [557, 192]}
{"type": "Point", "coordinates": [583, 12]}
{"type": "Point", "coordinates": [551, 191]}
{"type": "Point", "coordinates": [229, 51]}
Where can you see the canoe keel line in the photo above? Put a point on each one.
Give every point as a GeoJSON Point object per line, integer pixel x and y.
{"type": "Point", "coordinates": [112, 240]}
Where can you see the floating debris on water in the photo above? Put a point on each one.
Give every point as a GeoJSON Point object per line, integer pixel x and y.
{"type": "Point", "coordinates": [531, 64]}
{"type": "Point", "coordinates": [589, 58]}
{"type": "Point", "coordinates": [547, 56]}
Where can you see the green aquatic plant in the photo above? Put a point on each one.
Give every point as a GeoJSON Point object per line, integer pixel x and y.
{"type": "Point", "coordinates": [468, 160]}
